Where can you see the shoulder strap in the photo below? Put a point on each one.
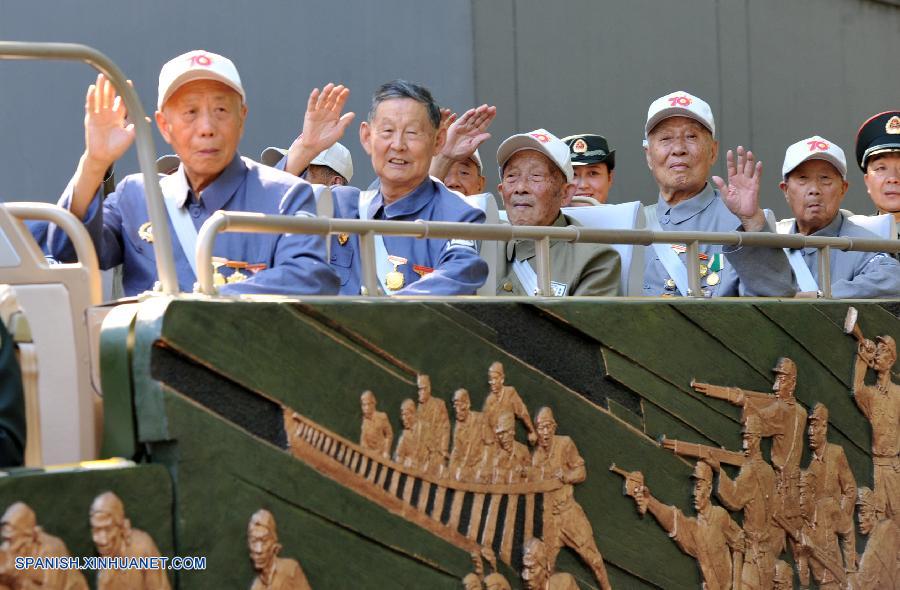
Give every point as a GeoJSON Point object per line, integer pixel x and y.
{"type": "Point", "coordinates": [526, 276]}
{"type": "Point", "coordinates": [382, 264]}
{"type": "Point", "coordinates": [181, 219]}
{"type": "Point", "coordinates": [669, 259]}
{"type": "Point", "coordinates": [805, 279]}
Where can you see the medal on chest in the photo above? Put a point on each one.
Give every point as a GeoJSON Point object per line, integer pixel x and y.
{"type": "Point", "coordinates": [394, 280]}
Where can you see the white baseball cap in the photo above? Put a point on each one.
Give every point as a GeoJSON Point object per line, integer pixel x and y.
{"type": "Point", "coordinates": [540, 140]}
{"type": "Point", "coordinates": [814, 148]}
{"type": "Point", "coordinates": [477, 158]}
{"type": "Point", "coordinates": [337, 157]}
{"type": "Point", "coordinates": [197, 65]}
{"type": "Point", "coordinates": [679, 104]}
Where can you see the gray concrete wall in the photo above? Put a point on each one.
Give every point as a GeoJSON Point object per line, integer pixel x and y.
{"type": "Point", "coordinates": [774, 71]}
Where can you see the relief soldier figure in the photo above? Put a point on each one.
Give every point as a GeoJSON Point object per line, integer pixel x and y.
{"type": "Point", "coordinates": [712, 537]}
{"type": "Point", "coordinates": [376, 433]}
{"type": "Point", "coordinates": [114, 537]}
{"type": "Point", "coordinates": [823, 522]}
{"type": "Point", "coordinates": [505, 398]}
{"type": "Point", "coordinates": [507, 460]}
{"type": "Point", "coordinates": [471, 435]}
{"type": "Point", "coordinates": [407, 451]}
{"type": "Point", "coordinates": [828, 461]}
{"type": "Point", "coordinates": [537, 572]}
{"type": "Point", "coordinates": [273, 572]}
{"type": "Point", "coordinates": [753, 491]}
{"type": "Point", "coordinates": [879, 566]}
{"type": "Point", "coordinates": [433, 426]}
{"type": "Point", "coordinates": [22, 537]}
{"type": "Point", "coordinates": [880, 403]}
{"type": "Point", "coordinates": [565, 523]}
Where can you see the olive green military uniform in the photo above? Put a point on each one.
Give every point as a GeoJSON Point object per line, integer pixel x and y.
{"type": "Point", "coordinates": [575, 269]}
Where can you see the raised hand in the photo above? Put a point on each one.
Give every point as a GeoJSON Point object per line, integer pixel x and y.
{"type": "Point", "coordinates": [465, 134]}
{"type": "Point", "coordinates": [323, 125]}
{"type": "Point", "coordinates": [107, 136]}
{"type": "Point", "coordinates": [741, 194]}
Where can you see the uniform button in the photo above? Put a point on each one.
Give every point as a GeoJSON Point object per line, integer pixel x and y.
{"type": "Point", "coordinates": [665, 220]}
{"type": "Point", "coordinates": [195, 212]}
{"type": "Point", "coordinates": [507, 286]}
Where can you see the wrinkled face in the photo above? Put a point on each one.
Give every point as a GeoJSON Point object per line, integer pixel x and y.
{"type": "Point", "coordinates": [784, 385]}
{"type": "Point", "coordinates": [702, 490]}
{"type": "Point", "coordinates": [545, 431]}
{"type": "Point", "coordinates": [15, 538]}
{"type": "Point", "coordinates": [367, 402]}
{"type": "Point", "coordinates": [814, 191]}
{"type": "Point", "coordinates": [867, 518]}
{"type": "Point", "coordinates": [424, 385]}
{"type": "Point", "coordinates": [533, 189]}
{"type": "Point", "coordinates": [462, 405]}
{"type": "Point", "coordinates": [883, 181]}
{"type": "Point", "coordinates": [401, 141]}
{"type": "Point", "coordinates": [885, 355]}
{"type": "Point", "coordinates": [817, 431]}
{"type": "Point", "coordinates": [465, 178]}
{"type": "Point", "coordinates": [408, 417]}
{"type": "Point", "coordinates": [495, 380]}
{"type": "Point", "coordinates": [107, 535]}
{"type": "Point", "coordinates": [203, 122]}
{"type": "Point", "coordinates": [261, 544]}
{"type": "Point", "coordinates": [680, 153]}
{"type": "Point", "coordinates": [534, 576]}
{"type": "Point", "coordinates": [593, 180]}
{"type": "Point", "coordinates": [505, 437]}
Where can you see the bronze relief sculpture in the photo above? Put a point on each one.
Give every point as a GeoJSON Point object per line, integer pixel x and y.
{"type": "Point", "coordinates": [272, 572]}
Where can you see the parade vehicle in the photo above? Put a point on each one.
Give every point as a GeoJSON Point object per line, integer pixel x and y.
{"type": "Point", "coordinates": [272, 440]}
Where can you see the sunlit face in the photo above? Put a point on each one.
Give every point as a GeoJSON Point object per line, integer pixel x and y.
{"type": "Point", "coordinates": [401, 140]}
{"type": "Point", "coordinates": [505, 437]}
{"type": "Point", "coordinates": [817, 434]}
{"type": "Point", "coordinates": [702, 490]}
{"type": "Point", "coordinates": [408, 416]}
{"type": "Point", "coordinates": [203, 121]}
{"type": "Point", "coordinates": [533, 189]}
{"type": "Point", "coordinates": [545, 431]}
{"type": "Point", "coordinates": [593, 180]}
{"type": "Point", "coordinates": [534, 575]}
{"type": "Point", "coordinates": [465, 178]}
{"type": "Point", "coordinates": [367, 402]}
{"type": "Point", "coordinates": [680, 154]}
{"type": "Point", "coordinates": [814, 191]}
{"type": "Point", "coordinates": [262, 545]}
{"type": "Point", "coordinates": [495, 380]}
{"type": "Point", "coordinates": [424, 385]}
{"type": "Point", "coordinates": [107, 535]}
{"type": "Point", "coordinates": [883, 181]}
{"type": "Point", "coordinates": [885, 356]}
{"type": "Point", "coordinates": [462, 405]}
{"type": "Point", "coordinates": [750, 443]}
{"type": "Point", "coordinates": [784, 385]}
{"type": "Point", "coordinates": [867, 518]}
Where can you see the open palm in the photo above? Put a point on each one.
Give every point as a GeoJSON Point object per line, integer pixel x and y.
{"type": "Point", "coordinates": [741, 194]}
{"type": "Point", "coordinates": [106, 134]}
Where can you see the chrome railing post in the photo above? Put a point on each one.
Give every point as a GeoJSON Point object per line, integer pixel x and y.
{"type": "Point", "coordinates": [693, 269]}
{"type": "Point", "coordinates": [542, 251]}
{"type": "Point", "coordinates": [825, 271]}
{"type": "Point", "coordinates": [368, 264]}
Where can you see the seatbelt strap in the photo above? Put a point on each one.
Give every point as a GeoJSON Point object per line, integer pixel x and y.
{"type": "Point", "coordinates": [382, 265]}
{"type": "Point", "coordinates": [174, 187]}
{"type": "Point", "coordinates": [669, 259]}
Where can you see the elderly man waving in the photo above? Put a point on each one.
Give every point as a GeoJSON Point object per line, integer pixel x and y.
{"type": "Point", "coordinates": [201, 113]}
{"type": "Point", "coordinates": [681, 149]}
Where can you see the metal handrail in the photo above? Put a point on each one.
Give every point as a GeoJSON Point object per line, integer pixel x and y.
{"type": "Point", "coordinates": [73, 227]}
{"type": "Point", "coordinates": [232, 221]}
{"type": "Point", "coordinates": [146, 151]}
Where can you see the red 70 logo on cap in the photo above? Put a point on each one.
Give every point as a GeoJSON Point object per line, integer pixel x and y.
{"type": "Point", "coordinates": [680, 101]}
{"type": "Point", "coordinates": [201, 60]}
{"type": "Point", "coordinates": [817, 146]}
{"type": "Point", "coordinates": [540, 137]}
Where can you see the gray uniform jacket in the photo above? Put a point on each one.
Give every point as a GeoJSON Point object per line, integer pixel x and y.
{"type": "Point", "coordinates": [575, 269]}
{"type": "Point", "coordinates": [760, 272]}
{"type": "Point", "coordinates": [855, 275]}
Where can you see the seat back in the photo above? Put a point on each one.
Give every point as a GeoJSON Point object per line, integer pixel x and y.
{"type": "Point", "coordinates": [492, 251]}
{"type": "Point", "coordinates": [883, 226]}
{"type": "Point", "coordinates": [55, 299]}
{"type": "Point", "coordinates": [618, 216]}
